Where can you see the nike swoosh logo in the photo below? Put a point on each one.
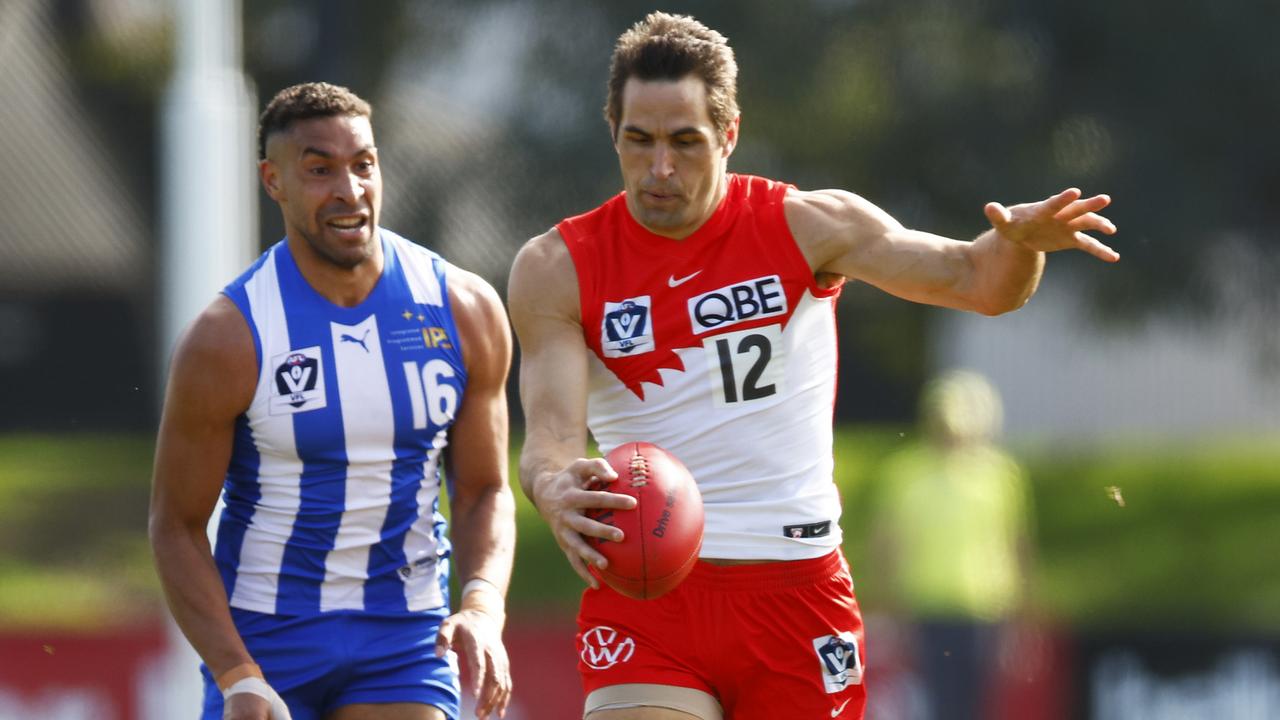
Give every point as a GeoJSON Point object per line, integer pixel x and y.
{"type": "Point", "coordinates": [840, 709]}
{"type": "Point", "coordinates": [672, 281]}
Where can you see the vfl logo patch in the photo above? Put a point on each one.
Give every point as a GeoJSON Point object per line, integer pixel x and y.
{"type": "Point", "coordinates": [732, 304]}
{"type": "Point", "coordinates": [298, 382]}
{"type": "Point", "coordinates": [840, 661]}
{"type": "Point", "coordinates": [603, 647]}
{"type": "Point", "coordinates": [627, 328]}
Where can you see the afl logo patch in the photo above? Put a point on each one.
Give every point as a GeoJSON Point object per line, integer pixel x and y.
{"type": "Point", "coordinates": [627, 328]}
{"type": "Point", "coordinates": [297, 382]}
{"type": "Point", "coordinates": [840, 660]}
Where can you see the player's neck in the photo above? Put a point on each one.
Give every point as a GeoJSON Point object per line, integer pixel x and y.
{"type": "Point", "coordinates": [340, 285]}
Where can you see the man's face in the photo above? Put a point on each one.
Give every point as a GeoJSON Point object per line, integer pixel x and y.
{"type": "Point", "coordinates": [324, 174]}
{"type": "Point", "coordinates": [673, 164]}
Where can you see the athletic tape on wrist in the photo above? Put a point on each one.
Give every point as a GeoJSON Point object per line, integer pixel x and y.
{"type": "Point", "coordinates": [238, 673]}
{"type": "Point", "coordinates": [477, 583]}
{"type": "Point", "coordinates": [258, 686]}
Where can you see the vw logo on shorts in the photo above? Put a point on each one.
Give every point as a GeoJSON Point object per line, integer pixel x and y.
{"type": "Point", "coordinates": [603, 647]}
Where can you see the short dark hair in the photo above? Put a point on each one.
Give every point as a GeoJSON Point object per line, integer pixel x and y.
{"type": "Point", "coordinates": [306, 101]}
{"type": "Point", "coordinates": [669, 47]}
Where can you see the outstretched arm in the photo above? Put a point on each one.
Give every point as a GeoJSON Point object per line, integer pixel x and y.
{"type": "Point", "coordinates": [844, 234]}
{"type": "Point", "coordinates": [211, 381]}
{"type": "Point", "coordinates": [554, 473]}
{"type": "Point", "coordinates": [482, 507]}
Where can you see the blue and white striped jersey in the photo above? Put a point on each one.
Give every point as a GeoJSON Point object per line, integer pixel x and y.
{"type": "Point", "coordinates": [332, 495]}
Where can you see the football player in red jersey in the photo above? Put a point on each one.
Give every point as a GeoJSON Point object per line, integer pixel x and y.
{"type": "Point", "coordinates": [694, 311]}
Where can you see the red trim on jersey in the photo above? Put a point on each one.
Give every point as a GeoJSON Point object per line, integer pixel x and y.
{"type": "Point", "coordinates": [617, 259]}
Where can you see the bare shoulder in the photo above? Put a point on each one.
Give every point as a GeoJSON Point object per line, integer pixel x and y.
{"type": "Point", "coordinates": [828, 224]}
{"type": "Point", "coordinates": [220, 337]}
{"type": "Point", "coordinates": [543, 257]}
{"type": "Point", "coordinates": [543, 279]}
{"type": "Point", "coordinates": [214, 363]}
{"type": "Point", "coordinates": [481, 320]}
{"type": "Point", "coordinates": [471, 294]}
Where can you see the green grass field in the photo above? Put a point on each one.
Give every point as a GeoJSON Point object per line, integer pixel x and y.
{"type": "Point", "coordinates": [1191, 544]}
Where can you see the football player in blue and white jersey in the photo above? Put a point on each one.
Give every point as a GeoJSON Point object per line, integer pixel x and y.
{"type": "Point", "coordinates": [324, 395]}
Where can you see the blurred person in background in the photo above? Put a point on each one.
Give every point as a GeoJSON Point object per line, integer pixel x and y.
{"type": "Point", "coordinates": [319, 395]}
{"type": "Point", "coordinates": [694, 311]}
{"type": "Point", "coordinates": [951, 543]}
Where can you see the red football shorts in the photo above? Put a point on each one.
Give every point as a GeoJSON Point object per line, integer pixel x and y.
{"type": "Point", "coordinates": [769, 640]}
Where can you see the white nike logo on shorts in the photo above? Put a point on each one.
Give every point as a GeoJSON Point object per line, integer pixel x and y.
{"type": "Point", "coordinates": [672, 281]}
{"type": "Point", "coordinates": [840, 709]}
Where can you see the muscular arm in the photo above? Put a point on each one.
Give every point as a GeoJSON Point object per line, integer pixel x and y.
{"type": "Point", "coordinates": [482, 508]}
{"type": "Point", "coordinates": [211, 381]}
{"type": "Point", "coordinates": [843, 234]}
{"type": "Point", "coordinates": [543, 295]}
{"type": "Point", "coordinates": [481, 505]}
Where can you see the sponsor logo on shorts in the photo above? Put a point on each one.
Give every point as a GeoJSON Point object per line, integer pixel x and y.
{"type": "Point", "coordinates": [298, 382]}
{"type": "Point", "coordinates": [603, 647]}
{"type": "Point", "coordinates": [840, 661]}
{"type": "Point", "coordinates": [740, 302]}
{"type": "Point", "coordinates": [627, 328]}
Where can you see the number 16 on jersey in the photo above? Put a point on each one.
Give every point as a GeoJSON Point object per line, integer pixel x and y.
{"type": "Point", "coordinates": [430, 394]}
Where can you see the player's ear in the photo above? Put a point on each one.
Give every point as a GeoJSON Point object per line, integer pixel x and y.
{"type": "Point", "coordinates": [731, 136]}
{"type": "Point", "coordinates": [270, 176]}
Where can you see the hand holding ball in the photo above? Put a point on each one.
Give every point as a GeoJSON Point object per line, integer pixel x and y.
{"type": "Point", "coordinates": [663, 533]}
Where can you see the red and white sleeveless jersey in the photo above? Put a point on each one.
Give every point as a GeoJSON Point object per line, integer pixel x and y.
{"type": "Point", "coordinates": [721, 348]}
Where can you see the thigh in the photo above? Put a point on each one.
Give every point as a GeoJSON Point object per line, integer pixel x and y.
{"type": "Point", "coordinates": [622, 641]}
{"type": "Point", "coordinates": [637, 701]}
{"type": "Point", "coordinates": [297, 655]}
{"type": "Point", "coordinates": [798, 652]}
{"type": "Point", "coordinates": [387, 711]}
{"type": "Point", "coordinates": [392, 663]}
{"type": "Point", "coordinates": [640, 713]}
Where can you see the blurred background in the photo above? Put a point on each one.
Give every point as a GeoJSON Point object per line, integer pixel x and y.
{"type": "Point", "coordinates": [1140, 401]}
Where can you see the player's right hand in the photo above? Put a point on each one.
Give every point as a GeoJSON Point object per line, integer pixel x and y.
{"type": "Point", "coordinates": [253, 699]}
{"type": "Point", "coordinates": [563, 498]}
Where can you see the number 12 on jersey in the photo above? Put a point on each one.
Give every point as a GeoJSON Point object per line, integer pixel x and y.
{"type": "Point", "coordinates": [745, 365]}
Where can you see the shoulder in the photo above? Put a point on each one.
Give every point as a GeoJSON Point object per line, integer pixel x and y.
{"type": "Point", "coordinates": [543, 276]}
{"type": "Point", "coordinates": [481, 320]}
{"type": "Point", "coordinates": [220, 334]}
{"type": "Point", "coordinates": [818, 214]}
{"type": "Point", "coordinates": [216, 356]}
{"type": "Point", "coordinates": [544, 253]}
{"type": "Point", "coordinates": [831, 224]}
{"type": "Point", "coordinates": [472, 295]}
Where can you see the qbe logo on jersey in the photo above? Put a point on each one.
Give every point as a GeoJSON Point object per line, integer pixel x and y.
{"type": "Point", "coordinates": [840, 660]}
{"type": "Point", "coordinates": [298, 381]}
{"type": "Point", "coordinates": [627, 328]}
{"type": "Point", "coordinates": [747, 300]}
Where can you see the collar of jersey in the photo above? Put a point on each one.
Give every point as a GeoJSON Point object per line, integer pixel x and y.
{"type": "Point", "coordinates": [287, 263]}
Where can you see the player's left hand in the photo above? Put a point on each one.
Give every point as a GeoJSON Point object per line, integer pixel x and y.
{"type": "Point", "coordinates": [477, 637]}
{"type": "Point", "coordinates": [1057, 223]}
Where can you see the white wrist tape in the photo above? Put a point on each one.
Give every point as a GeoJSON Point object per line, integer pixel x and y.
{"type": "Point", "coordinates": [478, 583]}
{"type": "Point", "coordinates": [258, 686]}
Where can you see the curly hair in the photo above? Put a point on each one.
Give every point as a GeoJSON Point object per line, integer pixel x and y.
{"type": "Point", "coordinates": [669, 47]}
{"type": "Point", "coordinates": [306, 101]}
